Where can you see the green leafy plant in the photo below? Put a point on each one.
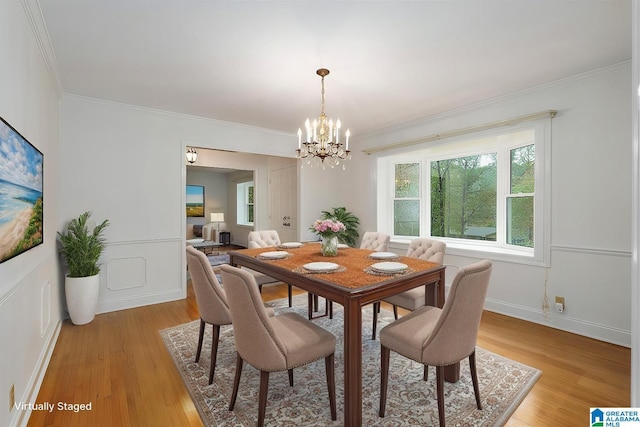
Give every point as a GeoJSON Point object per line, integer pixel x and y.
{"type": "Point", "coordinates": [82, 247]}
{"type": "Point", "coordinates": [350, 235]}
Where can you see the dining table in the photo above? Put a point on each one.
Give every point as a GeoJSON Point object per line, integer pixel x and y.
{"type": "Point", "coordinates": [351, 279]}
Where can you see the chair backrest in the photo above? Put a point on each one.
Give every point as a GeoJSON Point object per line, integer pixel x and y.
{"type": "Point", "coordinates": [455, 335]}
{"type": "Point", "coordinates": [263, 239]}
{"type": "Point", "coordinates": [375, 241]}
{"type": "Point", "coordinates": [427, 250]}
{"type": "Point", "coordinates": [211, 298]}
{"type": "Point", "coordinates": [256, 340]}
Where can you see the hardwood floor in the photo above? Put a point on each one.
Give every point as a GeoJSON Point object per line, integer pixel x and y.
{"type": "Point", "coordinates": [119, 364]}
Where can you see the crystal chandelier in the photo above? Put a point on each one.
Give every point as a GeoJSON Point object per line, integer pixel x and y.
{"type": "Point", "coordinates": [323, 143]}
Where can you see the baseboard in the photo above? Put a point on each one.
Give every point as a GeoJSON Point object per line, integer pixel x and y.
{"type": "Point", "coordinates": [562, 322]}
{"type": "Point", "coordinates": [21, 417]}
{"type": "Point", "coordinates": [141, 300]}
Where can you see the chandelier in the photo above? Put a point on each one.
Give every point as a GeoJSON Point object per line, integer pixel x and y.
{"type": "Point", "coordinates": [323, 143]}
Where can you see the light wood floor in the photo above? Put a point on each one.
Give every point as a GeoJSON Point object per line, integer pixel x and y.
{"type": "Point", "coordinates": [120, 365]}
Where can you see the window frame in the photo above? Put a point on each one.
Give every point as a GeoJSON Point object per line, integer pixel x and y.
{"type": "Point", "coordinates": [242, 203]}
{"type": "Point", "coordinates": [460, 147]}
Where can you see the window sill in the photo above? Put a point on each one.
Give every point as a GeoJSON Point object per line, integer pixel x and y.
{"type": "Point", "coordinates": [479, 252]}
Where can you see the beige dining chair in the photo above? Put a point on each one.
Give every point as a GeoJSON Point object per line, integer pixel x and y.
{"type": "Point", "coordinates": [265, 239]}
{"type": "Point", "coordinates": [375, 241]}
{"type": "Point", "coordinates": [440, 337]}
{"type": "Point", "coordinates": [211, 300]}
{"type": "Point", "coordinates": [273, 344]}
{"type": "Point", "coordinates": [425, 249]}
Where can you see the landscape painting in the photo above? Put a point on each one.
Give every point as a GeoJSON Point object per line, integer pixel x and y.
{"type": "Point", "coordinates": [195, 200]}
{"type": "Point", "coordinates": [21, 198]}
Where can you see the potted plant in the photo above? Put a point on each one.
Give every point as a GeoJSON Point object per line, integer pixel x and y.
{"type": "Point", "coordinates": [350, 235]}
{"type": "Point", "coordinates": [81, 249]}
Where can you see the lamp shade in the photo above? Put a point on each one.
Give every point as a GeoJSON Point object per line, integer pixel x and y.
{"type": "Point", "coordinates": [217, 217]}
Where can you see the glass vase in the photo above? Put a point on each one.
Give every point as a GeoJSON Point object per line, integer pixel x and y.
{"type": "Point", "coordinates": [329, 246]}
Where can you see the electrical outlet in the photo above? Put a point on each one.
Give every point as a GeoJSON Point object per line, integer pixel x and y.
{"type": "Point", "coordinates": [12, 397]}
{"type": "Point", "coordinates": [559, 304]}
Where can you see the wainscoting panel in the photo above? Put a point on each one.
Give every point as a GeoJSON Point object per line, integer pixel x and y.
{"type": "Point", "coordinates": [126, 273]}
{"type": "Point", "coordinates": [137, 273]}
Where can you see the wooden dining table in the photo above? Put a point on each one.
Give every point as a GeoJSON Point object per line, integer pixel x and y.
{"type": "Point", "coordinates": [353, 285]}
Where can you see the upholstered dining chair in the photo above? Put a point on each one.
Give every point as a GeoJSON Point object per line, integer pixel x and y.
{"type": "Point", "coordinates": [273, 344]}
{"type": "Point", "coordinates": [265, 239]}
{"type": "Point", "coordinates": [375, 241]}
{"type": "Point", "coordinates": [211, 300]}
{"type": "Point", "coordinates": [440, 337]}
{"type": "Point", "coordinates": [425, 249]}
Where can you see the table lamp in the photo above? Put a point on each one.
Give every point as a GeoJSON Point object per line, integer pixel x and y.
{"type": "Point", "coordinates": [217, 217]}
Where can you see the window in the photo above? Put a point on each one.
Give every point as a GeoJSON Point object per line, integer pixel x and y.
{"type": "Point", "coordinates": [245, 200]}
{"type": "Point", "coordinates": [481, 193]}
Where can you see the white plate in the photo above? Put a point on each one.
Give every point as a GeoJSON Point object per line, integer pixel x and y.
{"type": "Point", "coordinates": [383, 255]}
{"type": "Point", "coordinates": [321, 266]}
{"type": "Point", "coordinates": [342, 246]}
{"type": "Point", "coordinates": [274, 254]}
{"type": "Point", "coordinates": [291, 245]}
{"type": "Point", "coordinates": [389, 267]}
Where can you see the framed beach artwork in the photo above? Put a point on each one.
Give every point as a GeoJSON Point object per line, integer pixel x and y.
{"type": "Point", "coordinates": [195, 201]}
{"type": "Point", "coordinates": [21, 197]}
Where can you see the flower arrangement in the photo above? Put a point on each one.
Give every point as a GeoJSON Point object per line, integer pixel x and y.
{"type": "Point", "coordinates": [328, 227]}
{"type": "Point", "coordinates": [329, 230]}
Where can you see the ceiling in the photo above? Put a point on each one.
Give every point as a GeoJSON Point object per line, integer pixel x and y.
{"type": "Point", "coordinates": [391, 62]}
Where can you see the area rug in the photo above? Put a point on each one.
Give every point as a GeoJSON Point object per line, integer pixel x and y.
{"type": "Point", "coordinates": [217, 260]}
{"type": "Point", "coordinates": [410, 401]}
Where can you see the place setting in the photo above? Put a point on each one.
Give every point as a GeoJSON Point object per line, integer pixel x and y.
{"type": "Point", "coordinates": [319, 268]}
{"type": "Point", "coordinates": [290, 245]}
{"type": "Point", "coordinates": [384, 256]}
{"type": "Point", "coordinates": [388, 268]}
{"type": "Point", "coordinates": [274, 255]}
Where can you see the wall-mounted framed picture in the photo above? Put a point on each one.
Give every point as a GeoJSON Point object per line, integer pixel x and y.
{"type": "Point", "coordinates": [195, 201]}
{"type": "Point", "coordinates": [21, 193]}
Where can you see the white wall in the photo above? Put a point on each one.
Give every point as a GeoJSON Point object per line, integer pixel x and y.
{"type": "Point", "coordinates": [590, 202]}
{"type": "Point", "coordinates": [30, 284]}
{"type": "Point", "coordinates": [132, 164]}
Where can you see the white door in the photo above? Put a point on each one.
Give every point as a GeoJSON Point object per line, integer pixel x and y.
{"type": "Point", "coordinates": [283, 190]}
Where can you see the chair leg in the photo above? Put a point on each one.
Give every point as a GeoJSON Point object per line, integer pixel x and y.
{"type": "Point", "coordinates": [214, 351]}
{"type": "Point", "coordinates": [262, 399]}
{"type": "Point", "coordinates": [425, 373]}
{"type": "Point", "coordinates": [290, 295]}
{"type": "Point", "coordinates": [290, 377]}
{"type": "Point", "coordinates": [329, 367]}
{"type": "Point", "coordinates": [384, 378]}
{"type": "Point", "coordinates": [236, 381]}
{"type": "Point", "coordinates": [376, 310]}
{"type": "Point", "coordinates": [474, 378]}
{"type": "Point", "coordinates": [200, 339]}
{"type": "Point", "coordinates": [395, 312]}
{"type": "Point", "coordinates": [330, 304]}
{"type": "Point", "coordinates": [440, 393]}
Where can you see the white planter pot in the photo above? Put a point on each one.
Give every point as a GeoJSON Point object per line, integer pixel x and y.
{"type": "Point", "coordinates": [82, 298]}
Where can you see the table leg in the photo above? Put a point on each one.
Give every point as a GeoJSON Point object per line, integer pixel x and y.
{"type": "Point", "coordinates": [353, 364]}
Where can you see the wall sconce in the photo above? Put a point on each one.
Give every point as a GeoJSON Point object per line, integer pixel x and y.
{"type": "Point", "coordinates": [192, 155]}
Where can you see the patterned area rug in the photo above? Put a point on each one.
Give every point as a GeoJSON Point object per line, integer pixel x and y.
{"type": "Point", "coordinates": [410, 401]}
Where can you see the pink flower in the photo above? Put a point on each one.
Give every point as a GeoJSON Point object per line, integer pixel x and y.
{"type": "Point", "coordinates": [328, 227]}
